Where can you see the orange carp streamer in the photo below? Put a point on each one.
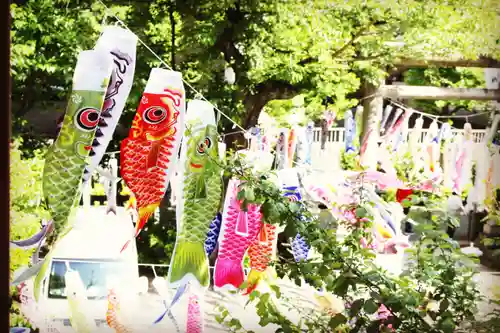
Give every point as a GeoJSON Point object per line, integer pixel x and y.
{"type": "Point", "coordinates": [260, 253]}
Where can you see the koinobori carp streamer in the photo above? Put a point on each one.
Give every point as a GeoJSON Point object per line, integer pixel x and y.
{"type": "Point", "coordinates": [260, 253]}
{"type": "Point", "coordinates": [121, 44]}
{"type": "Point", "coordinates": [350, 131]}
{"type": "Point", "coordinates": [199, 193]}
{"type": "Point", "coordinates": [239, 229]}
{"type": "Point", "coordinates": [194, 322]}
{"type": "Point", "coordinates": [282, 150]}
{"type": "Point", "coordinates": [213, 234]}
{"type": "Point", "coordinates": [66, 159]}
{"type": "Point", "coordinates": [151, 149]}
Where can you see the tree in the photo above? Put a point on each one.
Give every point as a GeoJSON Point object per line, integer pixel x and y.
{"type": "Point", "coordinates": [277, 49]}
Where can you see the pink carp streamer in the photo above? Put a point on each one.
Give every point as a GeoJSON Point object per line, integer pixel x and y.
{"type": "Point", "coordinates": [194, 317]}
{"type": "Point", "coordinates": [458, 172]}
{"type": "Point", "coordinates": [239, 229]}
{"type": "Point", "coordinates": [364, 145]}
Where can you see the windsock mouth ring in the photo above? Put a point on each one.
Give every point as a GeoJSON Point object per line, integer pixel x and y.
{"type": "Point", "coordinates": [196, 166]}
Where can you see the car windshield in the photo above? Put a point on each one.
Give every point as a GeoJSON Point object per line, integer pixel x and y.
{"type": "Point", "coordinates": [94, 276]}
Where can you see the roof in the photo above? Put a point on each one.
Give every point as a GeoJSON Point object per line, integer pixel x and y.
{"type": "Point", "coordinates": [99, 236]}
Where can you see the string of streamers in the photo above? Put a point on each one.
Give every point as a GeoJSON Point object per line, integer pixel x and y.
{"type": "Point", "coordinates": [197, 93]}
{"type": "Point", "coordinates": [434, 117]}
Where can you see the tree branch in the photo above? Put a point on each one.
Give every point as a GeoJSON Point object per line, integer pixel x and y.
{"type": "Point", "coordinates": [226, 42]}
{"type": "Point", "coordinates": [339, 51]}
{"type": "Point", "coordinates": [353, 39]}
{"type": "Point", "coordinates": [265, 92]}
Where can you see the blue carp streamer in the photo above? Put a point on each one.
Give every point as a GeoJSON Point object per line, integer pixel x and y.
{"type": "Point", "coordinates": [300, 248]}
{"type": "Point", "coordinates": [213, 234]}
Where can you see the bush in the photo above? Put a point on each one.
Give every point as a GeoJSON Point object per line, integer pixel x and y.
{"type": "Point", "coordinates": [436, 293]}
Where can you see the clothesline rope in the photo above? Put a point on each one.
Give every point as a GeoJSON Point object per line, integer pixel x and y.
{"type": "Point", "coordinates": [199, 94]}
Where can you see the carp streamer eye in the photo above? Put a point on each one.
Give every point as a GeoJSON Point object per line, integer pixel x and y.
{"type": "Point", "coordinates": [155, 115]}
{"type": "Point", "coordinates": [87, 119]}
{"type": "Point", "coordinates": [204, 145]}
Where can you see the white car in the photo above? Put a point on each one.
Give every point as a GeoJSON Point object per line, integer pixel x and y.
{"type": "Point", "coordinates": [92, 249]}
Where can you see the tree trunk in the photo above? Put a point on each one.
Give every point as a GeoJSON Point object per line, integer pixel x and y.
{"type": "Point", "coordinates": [264, 93]}
{"type": "Point", "coordinates": [372, 114]}
{"type": "Point", "coordinates": [254, 103]}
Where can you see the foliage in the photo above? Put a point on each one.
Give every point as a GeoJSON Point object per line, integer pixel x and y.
{"type": "Point", "coordinates": [16, 318]}
{"type": "Point", "coordinates": [278, 49]}
{"type": "Point", "coordinates": [404, 167]}
{"type": "Point", "coordinates": [492, 218]}
{"type": "Point", "coordinates": [26, 212]}
{"type": "Point", "coordinates": [491, 323]}
{"type": "Point", "coordinates": [389, 195]}
{"type": "Point", "coordinates": [349, 160]}
{"type": "Point", "coordinates": [156, 242]}
{"type": "Point", "coordinates": [493, 207]}
{"type": "Point", "coordinates": [435, 293]}
{"type": "Point", "coordinates": [25, 196]}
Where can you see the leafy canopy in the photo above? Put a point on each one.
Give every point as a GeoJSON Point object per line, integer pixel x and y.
{"type": "Point", "coordinates": [277, 49]}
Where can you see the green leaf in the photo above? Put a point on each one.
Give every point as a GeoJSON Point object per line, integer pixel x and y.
{"type": "Point", "coordinates": [448, 325]}
{"type": "Point", "coordinates": [241, 194]}
{"type": "Point", "coordinates": [370, 306]}
{"type": "Point", "coordinates": [443, 306]}
{"type": "Point", "coordinates": [356, 306]}
{"type": "Point", "coordinates": [249, 194]}
{"type": "Point", "coordinates": [341, 286]}
{"type": "Point", "coordinates": [235, 324]}
{"type": "Point", "coordinates": [264, 321]}
{"type": "Point", "coordinates": [324, 271]}
{"type": "Point", "coordinates": [361, 212]}
{"type": "Point", "coordinates": [265, 297]}
{"type": "Point", "coordinates": [254, 294]}
{"type": "Point", "coordinates": [335, 321]}
{"type": "Point", "coordinates": [276, 290]}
